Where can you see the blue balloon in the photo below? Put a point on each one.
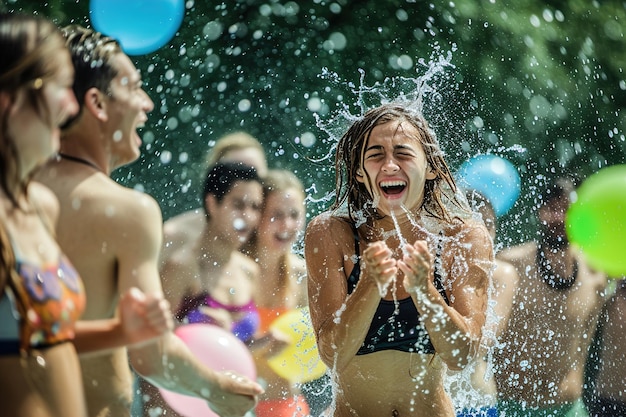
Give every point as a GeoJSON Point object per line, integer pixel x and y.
{"type": "Point", "coordinates": [494, 177]}
{"type": "Point", "coordinates": [140, 26]}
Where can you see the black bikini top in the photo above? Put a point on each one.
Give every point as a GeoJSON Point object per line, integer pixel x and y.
{"type": "Point", "coordinates": [396, 324]}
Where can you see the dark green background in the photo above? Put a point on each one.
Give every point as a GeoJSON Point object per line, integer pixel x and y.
{"type": "Point", "coordinates": [540, 83]}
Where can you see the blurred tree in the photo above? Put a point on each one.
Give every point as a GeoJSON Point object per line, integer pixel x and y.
{"type": "Point", "coordinates": [538, 82]}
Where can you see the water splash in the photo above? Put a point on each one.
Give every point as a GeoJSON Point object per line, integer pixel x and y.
{"type": "Point", "coordinates": [403, 241]}
{"type": "Point", "coordinates": [239, 223]}
{"type": "Point", "coordinates": [420, 94]}
{"type": "Point", "coordinates": [424, 94]}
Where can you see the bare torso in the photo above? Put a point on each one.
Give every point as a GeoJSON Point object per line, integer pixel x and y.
{"type": "Point", "coordinates": [186, 272]}
{"type": "Point", "coordinates": [386, 382]}
{"type": "Point", "coordinates": [548, 334]}
{"type": "Point", "coordinates": [180, 229]}
{"type": "Point", "coordinates": [414, 382]}
{"type": "Point", "coordinates": [611, 379]}
{"type": "Point", "coordinates": [95, 219]}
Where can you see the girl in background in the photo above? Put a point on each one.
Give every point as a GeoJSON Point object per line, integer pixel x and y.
{"type": "Point", "coordinates": [281, 287]}
{"type": "Point", "coordinates": [207, 279]}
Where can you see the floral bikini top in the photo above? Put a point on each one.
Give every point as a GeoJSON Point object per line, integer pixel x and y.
{"type": "Point", "coordinates": [40, 306]}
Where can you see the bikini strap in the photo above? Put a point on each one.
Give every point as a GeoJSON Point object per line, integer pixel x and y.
{"type": "Point", "coordinates": [438, 267]}
{"type": "Point", "coordinates": [357, 240]}
{"type": "Point", "coordinates": [354, 276]}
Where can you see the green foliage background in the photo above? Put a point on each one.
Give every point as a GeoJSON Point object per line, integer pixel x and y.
{"type": "Point", "coordinates": [538, 82]}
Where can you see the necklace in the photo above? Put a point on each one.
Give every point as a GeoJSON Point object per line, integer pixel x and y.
{"type": "Point", "coordinates": [549, 277]}
{"type": "Point", "coordinates": [80, 161]}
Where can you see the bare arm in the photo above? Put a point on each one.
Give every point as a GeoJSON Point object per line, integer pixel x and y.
{"type": "Point", "coordinates": [141, 319]}
{"type": "Point", "coordinates": [340, 321]}
{"type": "Point", "coordinates": [455, 330]}
{"type": "Point", "coordinates": [168, 362]}
{"type": "Point", "coordinates": [505, 282]}
{"type": "Point", "coordinates": [299, 281]}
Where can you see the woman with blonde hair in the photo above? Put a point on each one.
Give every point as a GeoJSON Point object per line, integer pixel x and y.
{"type": "Point", "coordinates": [281, 287]}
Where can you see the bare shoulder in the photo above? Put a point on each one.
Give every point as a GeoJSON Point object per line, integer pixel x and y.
{"type": "Point", "coordinates": [180, 229]}
{"type": "Point", "coordinates": [247, 265]}
{"type": "Point", "coordinates": [96, 196]}
{"type": "Point", "coordinates": [596, 280]}
{"type": "Point", "coordinates": [178, 257]}
{"type": "Point", "coordinates": [505, 274]}
{"type": "Point", "coordinates": [121, 216]}
{"type": "Point", "coordinates": [519, 253]}
{"type": "Point", "coordinates": [469, 236]}
{"type": "Point", "coordinates": [135, 209]}
{"type": "Point", "coordinates": [297, 265]}
{"type": "Point", "coordinates": [327, 225]}
{"type": "Point", "coordinates": [183, 224]}
{"type": "Point", "coordinates": [470, 230]}
{"type": "Point", "coordinates": [45, 200]}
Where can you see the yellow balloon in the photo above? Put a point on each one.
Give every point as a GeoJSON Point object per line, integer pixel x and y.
{"type": "Point", "coordinates": [299, 361]}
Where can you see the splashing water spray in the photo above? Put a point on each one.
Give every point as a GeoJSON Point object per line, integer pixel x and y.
{"type": "Point", "coordinates": [422, 95]}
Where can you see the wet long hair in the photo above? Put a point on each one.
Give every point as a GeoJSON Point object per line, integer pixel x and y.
{"type": "Point", "coordinates": [30, 46]}
{"type": "Point", "coordinates": [349, 159]}
{"type": "Point", "coordinates": [92, 54]}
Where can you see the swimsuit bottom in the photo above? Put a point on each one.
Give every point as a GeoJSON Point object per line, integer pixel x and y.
{"type": "Point", "coordinates": [512, 408]}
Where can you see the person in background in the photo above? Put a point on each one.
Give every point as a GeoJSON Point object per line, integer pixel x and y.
{"type": "Point", "coordinates": [41, 294]}
{"type": "Point", "coordinates": [113, 234]}
{"type": "Point", "coordinates": [281, 287]}
{"type": "Point", "coordinates": [397, 271]}
{"type": "Point", "coordinates": [481, 390]}
{"type": "Point", "coordinates": [234, 147]}
{"type": "Point", "coordinates": [208, 280]}
{"type": "Point", "coordinates": [541, 356]}
{"type": "Point", "coordinates": [605, 371]}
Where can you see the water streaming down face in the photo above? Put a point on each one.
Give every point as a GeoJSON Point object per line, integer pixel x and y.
{"type": "Point", "coordinates": [422, 94]}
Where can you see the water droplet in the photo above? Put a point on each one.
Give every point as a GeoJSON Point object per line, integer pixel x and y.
{"type": "Point", "coordinates": [239, 224]}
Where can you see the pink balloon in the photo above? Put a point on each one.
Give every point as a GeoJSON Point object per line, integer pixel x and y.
{"type": "Point", "coordinates": [216, 348]}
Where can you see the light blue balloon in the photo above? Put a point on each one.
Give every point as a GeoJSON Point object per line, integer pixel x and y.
{"type": "Point", "coordinates": [494, 177]}
{"type": "Point", "coordinates": [141, 26]}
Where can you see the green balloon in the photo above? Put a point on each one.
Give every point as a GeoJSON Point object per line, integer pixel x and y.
{"type": "Point", "coordinates": [596, 221]}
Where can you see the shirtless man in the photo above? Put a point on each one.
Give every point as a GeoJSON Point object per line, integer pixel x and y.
{"type": "Point", "coordinates": [113, 234]}
{"type": "Point", "coordinates": [605, 379]}
{"type": "Point", "coordinates": [539, 371]}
